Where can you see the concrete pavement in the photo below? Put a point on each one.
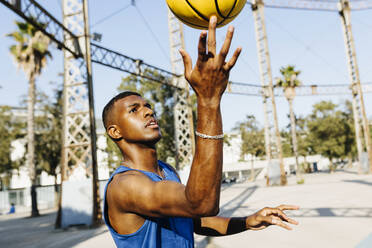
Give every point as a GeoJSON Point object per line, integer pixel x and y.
{"type": "Point", "coordinates": [336, 211]}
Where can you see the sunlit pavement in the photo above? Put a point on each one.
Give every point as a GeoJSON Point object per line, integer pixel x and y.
{"type": "Point", "coordinates": [336, 211]}
{"type": "Point", "coordinates": [19, 230]}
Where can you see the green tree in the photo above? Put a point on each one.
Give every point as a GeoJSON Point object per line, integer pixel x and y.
{"type": "Point", "coordinates": [289, 82]}
{"type": "Point", "coordinates": [30, 53]}
{"type": "Point", "coordinates": [350, 147]}
{"type": "Point", "coordinates": [48, 137]}
{"type": "Point", "coordinates": [304, 147]}
{"type": "Point", "coordinates": [286, 143]}
{"type": "Point", "coordinates": [253, 141]}
{"type": "Point", "coordinates": [330, 133]}
{"type": "Point", "coordinates": [303, 144]}
{"type": "Point", "coordinates": [10, 130]}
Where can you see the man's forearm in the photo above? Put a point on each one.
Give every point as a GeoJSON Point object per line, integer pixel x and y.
{"type": "Point", "coordinates": [209, 79]}
{"type": "Point", "coordinates": [219, 226]}
{"type": "Point", "coordinates": [203, 186]}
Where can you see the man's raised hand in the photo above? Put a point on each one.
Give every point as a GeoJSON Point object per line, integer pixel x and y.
{"type": "Point", "coordinates": [210, 75]}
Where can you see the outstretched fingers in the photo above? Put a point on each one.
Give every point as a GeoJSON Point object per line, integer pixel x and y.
{"type": "Point", "coordinates": [212, 36]}
{"type": "Point", "coordinates": [274, 220]}
{"type": "Point", "coordinates": [283, 216]}
{"type": "Point", "coordinates": [233, 59]}
{"type": "Point", "coordinates": [186, 62]}
{"type": "Point", "coordinates": [226, 46]}
{"type": "Point", "coordinates": [278, 217]}
{"type": "Point", "coordinates": [288, 207]}
{"type": "Point", "coordinates": [202, 46]}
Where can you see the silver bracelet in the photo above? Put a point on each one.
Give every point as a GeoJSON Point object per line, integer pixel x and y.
{"type": "Point", "coordinates": [205, 136]}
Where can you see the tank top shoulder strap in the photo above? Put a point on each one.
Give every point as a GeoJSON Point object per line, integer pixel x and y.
{"type": "Point", "coordinates": [170, 172]}
{"type": "Point", "coordinates": [118, 170]}
{"type": "Point", "coordinates": [122, 169]}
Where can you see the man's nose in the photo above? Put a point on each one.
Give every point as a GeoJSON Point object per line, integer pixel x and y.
{"type": "Point", "coordinates": [149, 112]}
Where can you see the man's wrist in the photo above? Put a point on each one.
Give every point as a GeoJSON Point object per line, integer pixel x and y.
{"type": "Point", "coordinates": [247, 220]}
{"type": "Point", "coordinates": [211, 103]}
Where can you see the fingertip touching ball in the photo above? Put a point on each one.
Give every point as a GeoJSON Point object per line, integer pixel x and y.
{"type": "Point", "coordinates": [196, 13]}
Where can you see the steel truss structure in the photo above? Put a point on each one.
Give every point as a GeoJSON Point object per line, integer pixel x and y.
{"type": "Point", "coordinates": [118, 61]}
{"type": "Point", "coordinates": [35, 14]}
{"type": "Point", "coordinates": [73, 37]}
{"type": "Point", "coordinates": [321, 5]}
{"type": "Point", "coordinates": [79, 139]}
{"type": "Point", "coordinates": [183, 120]}
{"type": "Point", "coordinates": [79, 134]}
{"type": "Point", "coordinates": [343, 7]}
{"type": "Point", "coordinates": [359, 112]}
{"type": "Point", "coordinates": [302, 90]}
{"type": "Point", "coordinates": [273, 144]}
{"type": "Point", "coordinates": [79, 148]}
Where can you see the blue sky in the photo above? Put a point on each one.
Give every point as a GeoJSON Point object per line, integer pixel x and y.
{"type": "Point", "coordinates": [311, 40]}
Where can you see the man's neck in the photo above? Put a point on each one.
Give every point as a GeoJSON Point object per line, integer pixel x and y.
{"type": "Point", "coordinates": [141, 158]}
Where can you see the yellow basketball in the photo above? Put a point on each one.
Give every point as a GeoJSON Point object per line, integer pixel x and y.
{"type": "Point", "coordinates": [196, 13]}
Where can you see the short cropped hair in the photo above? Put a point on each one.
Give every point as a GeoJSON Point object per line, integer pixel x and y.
{"type": "Point", "coordinates": [109, 106]}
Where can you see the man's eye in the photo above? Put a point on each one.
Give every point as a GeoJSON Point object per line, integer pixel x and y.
{"type": "Point", "coordinates": [133, 110]}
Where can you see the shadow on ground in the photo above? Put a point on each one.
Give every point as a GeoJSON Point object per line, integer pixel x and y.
{"type": "Point", "coordinates": [359, 181]}
{"type": "Point", "coordinates": [39, 232]}
{"type": "Point", "coordinates": [228, 210]}
{"type": "Point", "coordinates": [316, 212]}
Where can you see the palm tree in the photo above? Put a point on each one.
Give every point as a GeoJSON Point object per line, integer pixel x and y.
{"type": "Point", "coordinates": [30, 53]}
{"type": "Point", "coordinates": [289, 82]}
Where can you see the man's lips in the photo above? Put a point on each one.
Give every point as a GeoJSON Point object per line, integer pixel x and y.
{"type": "Point", "coordinates": [152, 123]}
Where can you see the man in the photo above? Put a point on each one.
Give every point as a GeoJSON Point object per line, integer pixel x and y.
{"type": "Point", "coordinates": [12, 209]}
{"type": "Point", "coordinates": [145, 203]}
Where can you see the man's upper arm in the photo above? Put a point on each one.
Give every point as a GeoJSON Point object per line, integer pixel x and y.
{"type": "Point", "coordinates": [134, 192]}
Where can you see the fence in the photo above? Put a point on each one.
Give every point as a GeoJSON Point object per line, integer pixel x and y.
{"type": "Point", "coordinates": [46, 198]}
{"type": "Point", "coordinates": [21, 198]}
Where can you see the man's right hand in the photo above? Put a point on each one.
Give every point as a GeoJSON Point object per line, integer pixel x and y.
{"type": "Point", "coordinates": [210, 75]}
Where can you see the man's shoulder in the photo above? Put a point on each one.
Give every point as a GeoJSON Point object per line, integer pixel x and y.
{"type": "Point", "coordinates": [126, 179]}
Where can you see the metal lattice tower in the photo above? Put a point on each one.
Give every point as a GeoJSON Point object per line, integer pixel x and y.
{"type": "Point", "coordinates": [302, 90]}
{"type": "Point", "coordinates": [79, 140]}
{"type": "Point", "coordinates": [182, 111]}
{"type": "Point", "coordinates": [76, 122]}
{"type": "Point", "coordinates": [322, 5]}
{"type": "Point", "coordinates": [272, 136]}
{"type": "Point", "coordinates": [72, 36]}
{"type": "Point", "coordinates": [363, 138]}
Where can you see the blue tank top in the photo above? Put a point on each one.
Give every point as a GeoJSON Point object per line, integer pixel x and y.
{"type": "Point", "coordinates": [164, 232]}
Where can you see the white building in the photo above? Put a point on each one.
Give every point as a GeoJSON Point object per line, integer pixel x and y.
{"type": "Point", "coordinates": [234, 166]}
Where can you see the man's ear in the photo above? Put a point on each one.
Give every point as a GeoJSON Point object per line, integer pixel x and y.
{"type": "Point", "coordinates": [114, 132]}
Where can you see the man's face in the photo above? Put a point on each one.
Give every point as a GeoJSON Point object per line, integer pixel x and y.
{"type": "Point", "coordinates": [136, 121]}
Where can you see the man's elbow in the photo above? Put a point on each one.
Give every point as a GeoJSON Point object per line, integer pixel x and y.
{"type": "Point", "coordinates": [204, 206]}
{"type": "Point", "coordinates": [207, 211]}
{"type": "Point", "coordinates": [214, 211]}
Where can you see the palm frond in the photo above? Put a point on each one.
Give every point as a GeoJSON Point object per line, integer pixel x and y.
{"type": "Point", "coordinates": [31, 50]}
{"type": "Point", "coordinates": [289, 77]}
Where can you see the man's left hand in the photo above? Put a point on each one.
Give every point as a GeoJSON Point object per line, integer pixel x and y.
{"type": "Point", "coordinates": [271, 216]}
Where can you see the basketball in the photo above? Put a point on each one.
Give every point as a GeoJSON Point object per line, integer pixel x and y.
{"type": "Point", "coordinates": [196, 13]}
